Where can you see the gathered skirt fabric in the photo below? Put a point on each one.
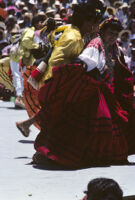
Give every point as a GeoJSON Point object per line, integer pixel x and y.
{"type": "Point", "coordinates": [30, 95]}
{"type": "Point", "coordinates": [81, 119]}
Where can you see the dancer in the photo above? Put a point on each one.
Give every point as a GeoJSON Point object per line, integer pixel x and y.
{"type": "Point", "coordinates": [70, 44]}
{"type": "Point", "coordinates": [23, 51]}
{"type": "Point", "coordinates": [87, 107]}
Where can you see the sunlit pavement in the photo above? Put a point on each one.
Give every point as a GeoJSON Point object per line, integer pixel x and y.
{"type": "Point", "coordinates": [19, 180]}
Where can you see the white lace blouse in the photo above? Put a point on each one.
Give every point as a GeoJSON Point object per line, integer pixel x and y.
{"type": "Point", "coordinates": [94, 56]}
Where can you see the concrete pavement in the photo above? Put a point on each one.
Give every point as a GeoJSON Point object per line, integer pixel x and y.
{"type": "Point", "coordinates": [21, 181]}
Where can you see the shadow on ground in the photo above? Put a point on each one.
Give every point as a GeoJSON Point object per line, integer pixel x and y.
{"type": "Point", "coordinates": [52, 166]}
{"type": "Point", "coordinates": [22, 157]}
{"type": "Point", "coordinates": [11, 108]}
{"type": "Point", "coordinates": [26, 141]}
{"type": "Point", "coordinates": [129, 197]}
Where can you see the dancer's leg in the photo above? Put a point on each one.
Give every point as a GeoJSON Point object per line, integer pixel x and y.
{"type": "Point", "coordinates": [24, 126]}
{"type": "Point", "coordinates": [18, 84]}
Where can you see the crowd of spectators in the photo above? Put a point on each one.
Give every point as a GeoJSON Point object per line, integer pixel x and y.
{"type": "Point", "coordinates": [16, 16]}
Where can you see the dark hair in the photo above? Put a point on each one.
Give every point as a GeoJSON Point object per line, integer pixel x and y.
{"type": "Point", "coordinates": [85, 11]}
{"type": "Point", "coordinates": [99, 5]}
{"type": "Point", "coordinates": [36, 20]}
{"type": "Point", "coordinates": [99, 188]}
{"type": "Point", "coordinates": [42, 18]}
{"type": "Point", "coordinates": [51, 24]}
{"type": "Point", "coordinates": [112, 23]}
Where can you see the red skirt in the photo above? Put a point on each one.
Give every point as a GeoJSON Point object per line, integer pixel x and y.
{"type": "Point", "coordinates": [81, 121]}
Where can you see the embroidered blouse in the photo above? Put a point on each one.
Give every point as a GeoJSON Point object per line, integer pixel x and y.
{"type": "Point", "coordinates": [94, 55]}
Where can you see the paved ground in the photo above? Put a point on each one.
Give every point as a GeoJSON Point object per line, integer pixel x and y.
{"type": "Point", "coordinates": [21, 181]}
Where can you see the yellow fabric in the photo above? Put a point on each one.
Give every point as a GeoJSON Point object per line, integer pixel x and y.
{"type": "Point", "coordinates": [4, 78]}
{"type": "Point", "coordinates": [43, 29]}
{"type": "Point", "coordinates": [69, 46]}
{"type": "Point", "coordinates": [26, 45]}
{"type": "Point", "coordinates": [52, 35]}
{"type": "Point", "coordinates": [61, 28]}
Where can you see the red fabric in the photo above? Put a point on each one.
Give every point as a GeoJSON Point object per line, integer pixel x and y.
{"type": "Point", "coordinates": [21, 64]}
{"type": "Point", "coordinates": [37, 75]}
{"type": "Point", "coordinates": [3, 13]}
{"type": "Point", "coordinates": [10, 73]}
{"type": "Point", "coordinates": [124, 86]}
{"type": "Point", "coordinates": [81, 119]}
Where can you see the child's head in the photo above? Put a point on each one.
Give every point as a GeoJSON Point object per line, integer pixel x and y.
{"type": "Point", "coordinates": [124, 35]}
{"type": "Point", "coordinates": [104, 189]}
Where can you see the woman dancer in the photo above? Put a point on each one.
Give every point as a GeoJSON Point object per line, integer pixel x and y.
{"type": "Point", "coordinates": [86, 109]}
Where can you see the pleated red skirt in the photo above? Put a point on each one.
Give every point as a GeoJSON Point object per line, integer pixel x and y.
{"type": "Point", "coordinates": [81, 119]}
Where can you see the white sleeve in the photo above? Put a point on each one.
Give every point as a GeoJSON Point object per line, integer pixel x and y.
{"type": "Point", "coordinates": [90, 57]}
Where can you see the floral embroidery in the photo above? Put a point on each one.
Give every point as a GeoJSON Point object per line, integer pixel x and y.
{"type": "Point", "coordinates": [96, 43]}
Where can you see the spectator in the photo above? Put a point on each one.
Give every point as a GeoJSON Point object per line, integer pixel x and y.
{"type": "Point", "coordinates": [50, 12]}
{"type": "Point", "coordinates": [10, 22]}
{"type": "Point", "coordinates": [63, 13]}
{"type": "Point", "coordinates": [44, 5]}
{"type": "Point", "coordinates": [65, 4]}
{"type": "Point", "coordinates": [32, 6]}
{"type": "Point", "coordinates": [131, 63]}
{"type": "Point", "coordinates": [3, 41]}
{"type": "Point", "coordinates": [132, 44]}
{"type": "Point", "coordinates": [117, 4]}
{"type": "Point", "coordinates": [110, 12]}
{"type": "Point", "coordinates": [58, 20]}
{"type": "Point", "coordinates": [27, 18]}
{"type": "Point", "coordinates": [122, 14]}
{"type": "Point", "coordinates": [103, 189]}
{"type": "Point", "coordinates": [124, 40]}
{"type": "Point", "coordinates": [132, 9]}
{"type": "Point", "coordinates": [21, 5]}
{"type": "Point", "coordinates": [132, 26]}
{"type": "Point", "coordinates": [25, 10]}
{"type": "Point", "coordinates": [57, 6]}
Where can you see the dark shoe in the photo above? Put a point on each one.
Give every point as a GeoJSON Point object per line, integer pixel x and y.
{"type": "Point", "coordinates": [40, 159]}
